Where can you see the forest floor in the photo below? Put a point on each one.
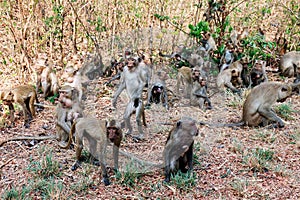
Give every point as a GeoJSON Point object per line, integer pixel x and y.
{"type": "Point", "coordinates": [229, 163]}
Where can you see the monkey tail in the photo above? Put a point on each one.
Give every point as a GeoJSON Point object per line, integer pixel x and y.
{"type": "Point", "coordinates": [70, 137]}
{"type": "Point", "coordinates": [241, 123]}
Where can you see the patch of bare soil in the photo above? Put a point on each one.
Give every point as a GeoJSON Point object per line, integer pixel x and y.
{"type": "Point", "coordinates": [231, 163]}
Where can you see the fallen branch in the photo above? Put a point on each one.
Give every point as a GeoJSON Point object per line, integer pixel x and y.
{"type": "Point", "coordinates": [27, 138]}
{"type": "Point", "coordinates": [7, 162]}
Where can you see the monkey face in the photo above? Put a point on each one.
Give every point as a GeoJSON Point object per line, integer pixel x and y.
{"type": "Point", "coordinates": [131, 63]}
{"type": "Point", "coordinates": [259, 65]}
{"type": "Point", "coordinates": [114, 135]}
{"type": "Point", "coordinates": [284, 92]}
{"type": "Point", "coordinates": [195, 74]}
{"type": "Point", "coordinates": [157, 90]}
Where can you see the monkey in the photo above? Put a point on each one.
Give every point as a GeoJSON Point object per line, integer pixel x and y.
{"type": "Point", "coordinates": [26, 96]}
{"type": "Point", "coordinates": [99, 134]}
{"type": "Point", "coordinates": [195, 60]}
{"type": "Point", "coordinates": [245, 75]}
{"type": "Point", "coordinates": [289, 63]}
{"type": "Point", "coordinates": [48, 82]}
{"type": "Point", "coordinates": [178, 151]}
{"type": "Point", "coordinates": [68, 109]}
{"type": "Point", "coordinates": [225, 78]}
{"type": "Point", "coordinates": [208, 43]}
{"type": "Point", "coordinates": [257, 106]}
{"type": "Point", "coordinates": [296, 85]}
{"type": "Point", "coordinates": [199, 94]}
{"type": "Point", "coordinates": [157, 92]}
{"type": "Point", "coordinates": [186, 76]}
{"type": "Point", "coordinates": [258, 73]}
{"type": "Point", "coordinates": [226, 59]}
{"type": "Point", "coordinates": [133, 80]}
{"type": "Point", "coordinates": [119, 66]}
{"type": "Point", "coordinates": [136, 106]}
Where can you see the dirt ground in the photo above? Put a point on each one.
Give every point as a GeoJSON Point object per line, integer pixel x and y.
{"type": "Point", "coordinates": [226, 161]}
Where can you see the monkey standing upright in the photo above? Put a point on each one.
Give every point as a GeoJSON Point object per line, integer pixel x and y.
{"type": "Point", "coordinates": [134, 78]}
{"type": "Point", "coordinates": [178, 152]}
{"type": "Point", "coordinates": [98, 133]}
{"type": "Point", "coordinates": [26, 96]}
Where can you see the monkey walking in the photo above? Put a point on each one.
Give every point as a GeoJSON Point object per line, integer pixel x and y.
{"type": "Point", "coordinates": [178, 152]}
{"type": "Point", "coordinates": [98, 133]}
{"type": "Point", "coordinates": [26, 96]}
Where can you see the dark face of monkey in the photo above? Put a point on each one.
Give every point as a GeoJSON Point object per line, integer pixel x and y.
{"type": "Point", "coordinates": [195, 74]}
{"type": "Point", "coordinates": [157, 90]}
{"type": "Point", "coordinates": [112, 133]}
{"type": "Point", "coordinates": [256, 77]}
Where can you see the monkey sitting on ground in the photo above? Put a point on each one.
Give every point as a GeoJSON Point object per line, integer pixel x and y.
{"type": "Point", "coordinates": [26, 96]}
{"type": "Point", "coordinates": [258, 73]}
{"type": "Point", "coordinates": [185, 77]}
{"type": "Point", "coordinates": [257, 106]}
{"type": "Point", "coordinates": [225, 78]}
{"type": "Point", "coordinates": [48, 82]}
{"type": "Point", "coordinates": [68, 110]}
{"type": "Point", "coordinates": [157, 92]}
{"type": "Point", "coordinates": [199, 94]}
{"type": "Point", "coordinates": [178, 152]}
{"type": "Point", "coordinates": [98, 133]}
{"type": "Point", "coordinates": [289, 63]}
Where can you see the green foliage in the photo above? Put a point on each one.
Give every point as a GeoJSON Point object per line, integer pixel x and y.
{"type": "Point", "coordinates": [52, 98]}
{"type": "Point", "coordinates": [10, 194]}
{"type": "Point", "coordinates": [258, 159]}
{"type": "Point", "coordinates": [256, 47]}
{"type": "Point", "coordinates": [284, 110]}
{"type": "Point", "coordinates": [198, 30]}
{"type": "Point", "coordinates": [129, 177]}
{"type": "Point", "coordinates": [83, 184]}
{"type": "Point", "coordinates": [184, 181]}
{"type": "Point", "coordinates": [45, 168]}
{"type": "Point", "coordinates": [162, 17]}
